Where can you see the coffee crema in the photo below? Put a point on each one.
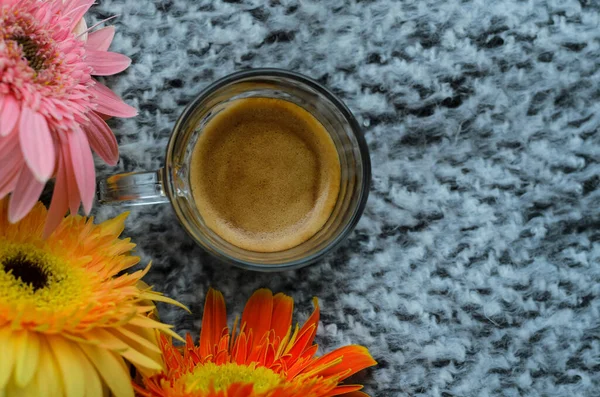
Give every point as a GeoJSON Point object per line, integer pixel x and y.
{"type": "Point", "coordinates": [265, 174]}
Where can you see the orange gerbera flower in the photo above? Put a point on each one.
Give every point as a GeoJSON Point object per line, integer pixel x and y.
{"type": "Point", "coordinates": [264, 358]}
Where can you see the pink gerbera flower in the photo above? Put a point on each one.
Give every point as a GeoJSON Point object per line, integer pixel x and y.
{"type": "Point", "coordinates": [52, 111]}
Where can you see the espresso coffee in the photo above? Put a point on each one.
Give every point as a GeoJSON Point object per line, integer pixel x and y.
{"type": "Point", "coordinates": [265, 174]}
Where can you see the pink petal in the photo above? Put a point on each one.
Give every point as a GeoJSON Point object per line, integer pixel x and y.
{"type": "Point", "coordinates": [8, 146]}
{"type": "Point", "coordinates": [26, 194]}
{"type": "Point", "coordinates": [8, 162]}
{"type": "Point", "coordinates": [105, 63]}
{"type": "Point", "coordinates": [80, 30]}
{"type": "Point", "coordinates": [83, 167]}
{"type": "Point", "coordinates": [9, 184]}
{"type": "Point", "coordinates": [66, 46]}
{"type": "Point", "coordinates": [102, 140]}
{"type": "Point", "coordinates": [9, 176]}
{"type": "Point", "coordinates": [76, 9]}
{"type": "Point", "coordinates": [71, 182]}
{"type": "Point", "coordinates": [100, 39]}
{"type": "Point", "coordinates": [37, 144]}
{"type": "Point", "coordinates": [60, 199]}
{"type": "Point", "coordinates": [43, 15]}
{"type": "Point", "coordinates": [9, 115]}
{"type": "Point", "coordinates": [109, 103]}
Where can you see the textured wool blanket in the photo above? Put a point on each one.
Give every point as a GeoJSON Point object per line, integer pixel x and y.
{"type": "Point", "coordinates": [475, 268]}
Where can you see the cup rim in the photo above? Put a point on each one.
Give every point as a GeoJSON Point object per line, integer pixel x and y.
{"type": "Point", "coordinates": [357, 132]}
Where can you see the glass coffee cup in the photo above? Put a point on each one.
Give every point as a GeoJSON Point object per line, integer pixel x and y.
{"type": "Point", "coordinates": [171, 183]}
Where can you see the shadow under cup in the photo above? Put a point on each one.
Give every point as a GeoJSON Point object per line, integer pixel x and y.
{"type": "Point", "coordinates": [173, 181]}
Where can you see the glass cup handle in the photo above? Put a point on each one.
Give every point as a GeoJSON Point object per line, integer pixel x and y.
{"type": "Point", "coordinates": [133, 188]}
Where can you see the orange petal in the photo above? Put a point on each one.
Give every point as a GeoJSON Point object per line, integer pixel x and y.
{"type": "Point", "coordinates": [301, 363]}
{"type": "Point", "coordinates": [240, 390]}
{"type": "Point", "coordinates": [353, 359]}
{"type": "Point", "coordinates": [249, 343]}
{"type": "Point", "coordinates": [351, 394]}
{"type": "Point", "coordinates": [233, 333]}
{"type": "Point", "coordinates": [344, 390]}
{"type": "Point", "coordinates": [257, 354]}
{"type": "Point", "coordinates": [312, 320]}
{"type": "Point", "coordinates": [221, 358]}
{"type": "Point", "coordinates": [310, 352]}
{"type": "Point", "coordinates": [283, 307]}
{"type": "Point", "coordinates": [171, 355]}
{"type": "Point", "coordinates": [223, 344]}
{"type": "Point", "coordinates": [189, 342]}
{"type": "Point", "coordinates": [240, 350]}
{"type": "Point", "coordinates": [257, 313]}
{"type": "Point", "coordinates": [300, 345]}
{"type": "Point", "coordinates": [214, 321]}
{"type": "Point", "coordinates": [269, 356]}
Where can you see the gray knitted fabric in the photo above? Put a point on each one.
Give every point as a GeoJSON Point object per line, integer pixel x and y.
{"type": "Point", "coordinates": [475, 269]}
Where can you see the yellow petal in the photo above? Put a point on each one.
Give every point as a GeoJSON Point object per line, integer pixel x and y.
{"type": "Point", "coordinates": [138, 359]}
{"type": "Point", "coordinates": [28, 353]}
{"type": "Point", "coordinates": [68, 358]}
{"type": "Point", "coordinates": [93, 385]}
{"type": "Point", "coordinates": [12, 390]}
{"type": "Point", "coordinates": [30, 389]}
{"type": "Point", "coordinates": [47, 378]}
{"type": "Point", "coordinates": [38, 389]}
{"type": "Point", "coordinates": [8, 356]}
{"type": "Point", "coordinates": [172, 334]}
{"type": "Point", "coordinates": [114, 226]}
{"type": "Point", "coordinates": [144, 340]}
{"type": "Point", "coordinates": [145, 322]}
{"type": "Point", "coordinates": [137, 337]}
{"type": "Point", "coordinates": [109, 341]}
{"type": "Point", "coordinates": [111, 369]}
{"type": "Point", "coordinates": [158, 297]}
{"type": "Point", "coordinates": [106, 340]}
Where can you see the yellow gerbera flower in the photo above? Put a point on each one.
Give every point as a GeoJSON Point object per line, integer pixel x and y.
{"type": "Point", "coordinates": [263, 358]}
{"type": "Point", "coordinates": [68, 321]}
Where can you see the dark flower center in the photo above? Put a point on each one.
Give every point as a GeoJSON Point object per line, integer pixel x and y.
{"type": "Point", "coordinates": [30, 50]}
{"type": "Point", "coordinates": [27, 271]}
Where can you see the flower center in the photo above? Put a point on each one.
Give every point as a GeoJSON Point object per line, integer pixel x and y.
{"type": "Point", "coordinates": [27, 271]}
{"type": "Point", "coordinates": [34, 277]}
{"type": "Point", "coordinates": [220, 377]}
{"type": "Point", "coordinates": [31, 52]}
